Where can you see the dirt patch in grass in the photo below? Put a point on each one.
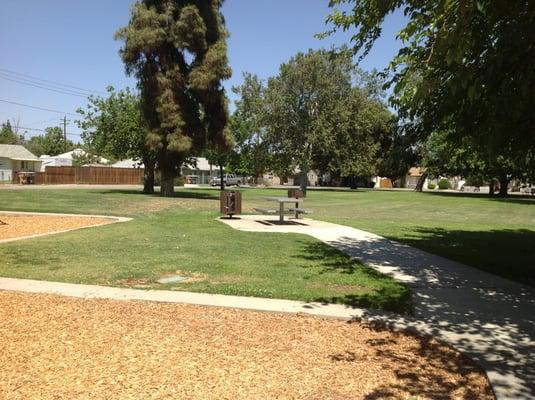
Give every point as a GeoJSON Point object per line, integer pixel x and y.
{"type": "Point", "coordinates": [343, 289]}
{"type": "Point", "coordinates": [57, 347]}
{"type": "Point", "coordinates": [192, 277]}
{"type": "Point", "coordinates": [135, 283]}
{"type": "Point", "coordinates": [160, 204]}
{"type": "Point", "coordinates": [22, 225]}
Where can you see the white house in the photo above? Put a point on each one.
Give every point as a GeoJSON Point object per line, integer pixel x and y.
{"type": "Point", "coordinates": [54, 161]}
{"type": "Point", "coordinates": [201, 173]}
{"type": "Point", "coordinates": [129, 163]}
{"type": "Point", "coordinates": [65, 159]}
{"type": "Point", "coordinates": [80, 152]}
{"type": "Point", "coordinates": [16, 158]}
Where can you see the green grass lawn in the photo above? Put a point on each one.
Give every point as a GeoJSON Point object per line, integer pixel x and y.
{"type": "Point", "coordinates": [181, 235]}
{"type": "Point", "coordinates": [493, 234]}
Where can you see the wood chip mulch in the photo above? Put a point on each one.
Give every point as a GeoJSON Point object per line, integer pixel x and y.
{"type": "Point", "coordinates": [22, 225]}
{"type": "Point", "coordinates": [56, 347]}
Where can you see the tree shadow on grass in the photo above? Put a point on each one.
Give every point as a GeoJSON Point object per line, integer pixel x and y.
{"type": "Point", "coordinates": [525, 200]}
{"type": "Point", "coordinates": [508, 253]}
{"type": "Point", "coordinates": [339, 189]}
{"type": "Point", "coordinates": [393, 298]}
{"type": "Point", "coordinates": [181, 194]}
{"type": "Point", "coordinates": [384, 293]}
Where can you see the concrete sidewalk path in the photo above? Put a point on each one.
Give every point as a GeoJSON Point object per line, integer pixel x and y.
{"type": "Point", "coordinates": [168, 296]}
{"type": "Point", "coordinates": [489, 318]}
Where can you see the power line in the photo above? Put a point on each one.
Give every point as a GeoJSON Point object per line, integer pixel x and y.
{"type": "Point", "coordinates": [20, 82]}
{"type": "Point", "coordinates": [50, 82]}
{"type": "Point", "coordinates": [44, 130]}
{"type": "Point", "coordinates": [42, 122]}
{"type": "Point", "coordinates": [43, 83]}
{"type": "Point", "coordinates": [38, 108]}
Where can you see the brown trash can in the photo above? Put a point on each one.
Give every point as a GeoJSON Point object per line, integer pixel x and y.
{"type": "Point", "coordinates": [295, 194]}
{"type": "Point", "coordinates": [230, 203]}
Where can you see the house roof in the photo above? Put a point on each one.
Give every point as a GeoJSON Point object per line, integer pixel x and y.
{"type": "Point", "coordinates": [78, 152]}
{"type": "Point", "coordinates": [69, 155]}
{"type": "Point", "coordinates": [16, 152]}
{"type": "Point", "coordinates": [202, 165]}
{"type": "Point", "coordinates": [416, 171]}
{"type": "Point", "coordinates": [129, 163]}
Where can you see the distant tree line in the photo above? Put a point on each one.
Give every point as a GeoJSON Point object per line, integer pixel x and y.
{"type": "Point", "coordinates": [52, 142]}
{"type": "Point", "coordinates": [319, 113]}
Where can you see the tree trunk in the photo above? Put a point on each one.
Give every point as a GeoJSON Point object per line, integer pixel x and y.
{"type": "Point", "coordinates": [221, 176]}
{"type": "Point", "coordinates": [420, 185]}
{"type": "Point", "coordinates": [167, 185]}
{"type": "Point", "coordinates": [148, 176]}
{"type": "Point", "coordinates": [303, 180]}
{"type": "Point", "coordinates": [491, 187]}
{"type": "Point", "coordinates": [504, 184]}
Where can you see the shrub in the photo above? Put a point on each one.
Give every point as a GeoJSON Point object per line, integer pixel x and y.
{"type": "Point", "coordinates": [431, 186]}
{"type": "Point", "coordinates": [443, 184]}
{"type": "Point", "coordinates": [179, 181]}
{"type": "Point", "coordinates": [474, 181]}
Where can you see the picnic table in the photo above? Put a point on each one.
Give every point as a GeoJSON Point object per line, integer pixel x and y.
{"type": "Point", "coordinates": [286, 200]}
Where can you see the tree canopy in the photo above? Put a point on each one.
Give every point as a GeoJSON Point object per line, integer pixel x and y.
{"type": "Point", "coordinates": [177, 50]}
{"type": "Point", "coordinates": [462, 68]}
{"type": "Point", "coordinates": [250, 155]}
{"type": "Point", "coordinates": [51, 143]}
{"type": "Point", "coordinates": [8, 134]}
{"type": "Point", "coordinates": [443, 157]}
{"type": "Point", "coordinates": [115, 127]}
{"type": "Point", "coordinates": [319, 112]}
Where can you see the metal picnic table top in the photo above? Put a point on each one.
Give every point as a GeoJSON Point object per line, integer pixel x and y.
{"type": "Point", "coordinates": [282, 201]}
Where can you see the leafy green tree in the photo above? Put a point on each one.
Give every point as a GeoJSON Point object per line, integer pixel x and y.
{"type": "Point", "coordinates": [353, 148]}
{"type": "Point", "coordinates": [8, 135]}
{"type": "Point", "coordinates": [445, 157]}
{"type": "Point", "coordinates": [397, 154]}
{"type": "Point", "coordinates": [319, 112]}
{"type": "Point", "coordinates": [177, 50]}
{"type": "Point", "coordinates": [250, 155]}
{"type": "Point", "coordinates": [462, 68]}
{"type": "Point", "coordinates": [218, 157]}
{"type": "Point", "coordinates": [298, 106]}
{"type": "Point", "coordinates": [312, 116]}
{"type": "Point", "coordinates": [51, 143]}
{"type": "Point", "coordinates": [115, 127]}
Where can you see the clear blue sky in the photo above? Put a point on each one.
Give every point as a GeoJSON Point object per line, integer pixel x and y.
{"type": "Point", "coordinates": [71, 42]}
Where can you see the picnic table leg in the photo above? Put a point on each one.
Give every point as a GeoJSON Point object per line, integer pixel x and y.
{"type": "Point", "coordinates": [296, 213]}
{"type": "Point", "coordinates": [281, 212]}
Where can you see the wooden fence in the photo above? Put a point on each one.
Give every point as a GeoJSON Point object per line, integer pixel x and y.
{"type": "Point", "coordinates": [385, 184]}
{"type": "Point", "coordinates": [87, 175]}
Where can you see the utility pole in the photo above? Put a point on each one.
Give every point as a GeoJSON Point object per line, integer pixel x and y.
{"type": "Point", "coordinates": [65, 120]}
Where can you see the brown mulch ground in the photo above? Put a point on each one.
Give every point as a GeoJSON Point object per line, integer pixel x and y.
{"type": "Point", "coordinates": [20, 225]}
{"type": "Point", "coordinates": [56, 347]}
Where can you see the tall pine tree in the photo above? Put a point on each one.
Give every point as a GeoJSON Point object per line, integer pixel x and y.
{"type": "Point", "coordinates": [177, 50]}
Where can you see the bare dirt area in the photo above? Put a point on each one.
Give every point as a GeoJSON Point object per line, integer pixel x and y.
{"type": "Point", "coordinates": [56, 347]}
{"type": "Point", "coordinates": [22, 225]}
{"type": "Point", "coordinates": [157, 204]}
